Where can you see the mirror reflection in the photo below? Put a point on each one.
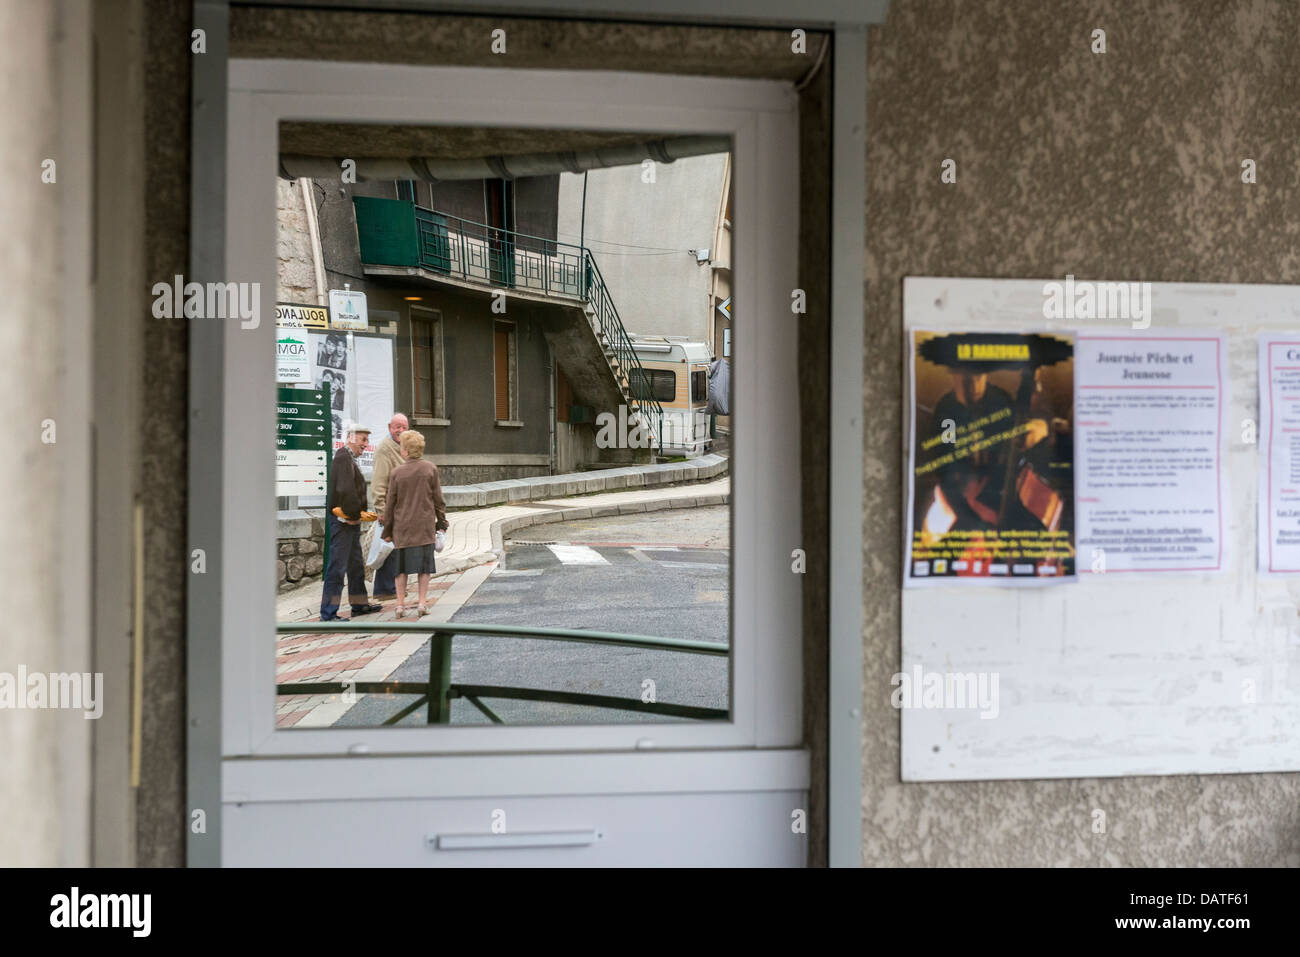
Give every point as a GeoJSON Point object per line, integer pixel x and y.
{"type": "Point", "coordinates": [503, 363]}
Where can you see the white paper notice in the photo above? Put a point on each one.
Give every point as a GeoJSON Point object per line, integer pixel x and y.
{"type": "Point", "coordinates": [1148, 470]}
{"type": "Point", "coordinates": [1279, 436]}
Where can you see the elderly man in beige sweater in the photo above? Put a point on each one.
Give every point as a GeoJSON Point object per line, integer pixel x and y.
{"type": "Point", "coordinates": [388, 455]}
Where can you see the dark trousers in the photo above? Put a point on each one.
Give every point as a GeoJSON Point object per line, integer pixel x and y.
{"type": "Point", "coordinates": [345, 559]}
{"type": "Point", "coordinates": [386, 574]}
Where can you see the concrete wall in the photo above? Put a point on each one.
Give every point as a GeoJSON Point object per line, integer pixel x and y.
{"type": "Point", "coordinates": [468, 353]}
{"type": "Point", "coordinates": [1123, 165]}
{"type": "Point", "coordinates": [640, 233]}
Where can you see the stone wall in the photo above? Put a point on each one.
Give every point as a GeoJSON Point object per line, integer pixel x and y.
{"type": "Point", "coordinates": [300, 559]}
{"type": "Point", "coordinates": [474, 474]}
{"type": "Point", "coordinates": [300, 547]}
{"type": "Point", "coordinates": [295, 267]}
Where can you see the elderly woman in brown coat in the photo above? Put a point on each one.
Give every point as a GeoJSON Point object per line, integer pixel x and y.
{"type": "Point", "coordinates": [414, 513]}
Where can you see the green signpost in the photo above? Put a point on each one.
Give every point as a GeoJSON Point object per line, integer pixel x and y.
{"type": "Point", "coordinates": [303, 442]}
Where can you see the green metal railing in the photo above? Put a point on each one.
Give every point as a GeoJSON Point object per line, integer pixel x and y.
{"type": "Point", "coordinates": [437, 694]}
{"type": "Point", "coordinates": [475, 252]}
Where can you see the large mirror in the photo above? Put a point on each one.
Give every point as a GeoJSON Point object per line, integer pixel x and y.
{"type": "Point", "coordinates": [503, 458]}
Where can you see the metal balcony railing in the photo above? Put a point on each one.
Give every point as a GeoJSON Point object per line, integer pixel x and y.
{"type": "Point", "coordinates": [439, 691]}
{"type": "Point", "coordinates": [475, 252]}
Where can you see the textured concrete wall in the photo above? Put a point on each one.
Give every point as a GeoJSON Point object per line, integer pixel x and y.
{"type": "Point", "coordinates": [161, 817]}
{"type": "Point", "coordinates": [1123, 165]}
{"type": "Point", "coordinates": [814, 437]}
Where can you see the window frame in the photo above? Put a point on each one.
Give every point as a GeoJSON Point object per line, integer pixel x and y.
{"type": "Point", "coordinates": [653, 375]}
{"type": "Point", "coordinates": [761, 116]}
{"type": "Point", "coordinates": [512, 419]}
{"type": "Point", "coordinates": [698, 375]}
{"type": "Point", "coordinates": [437, 379]}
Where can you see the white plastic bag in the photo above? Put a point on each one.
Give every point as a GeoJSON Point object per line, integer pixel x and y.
{"type": "Point", "coordinates": [439, 541]}
{"type": "Point", "coordinates": [379, 549]}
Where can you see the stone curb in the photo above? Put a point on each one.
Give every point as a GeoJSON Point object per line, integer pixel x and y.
{"type": "Point", "coordinates": [559, 514]}
{"type": "Point", "coordinates": [578, 483]}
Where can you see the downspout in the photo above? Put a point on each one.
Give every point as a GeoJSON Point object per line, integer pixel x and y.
{"type": "Point", "coordinates": [582, 226]}
{"type": "Point", "coordinates": [313, 231]}
{"type": "Point", "coordinates": [550, 404]}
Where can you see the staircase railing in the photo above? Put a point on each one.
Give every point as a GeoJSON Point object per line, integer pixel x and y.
{"type": "Point", "coordinates": [609, 322]}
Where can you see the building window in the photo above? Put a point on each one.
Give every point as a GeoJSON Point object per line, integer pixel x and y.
{"type": "Point", "coordinates": [505, 369]}
{"type": "Point", "coordinates": [406, 190]}
{"type": "Point", "coordinates": [428, 392]}
{"type": "Point", "coordinates": [657, 384]}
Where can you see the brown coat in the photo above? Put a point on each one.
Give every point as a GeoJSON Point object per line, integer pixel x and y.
{"type": "Point", "coordinates": [414, 510]}
{"type": "Point", "coordinates": [388, 456]}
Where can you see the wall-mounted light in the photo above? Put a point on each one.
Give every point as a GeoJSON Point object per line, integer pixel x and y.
{"type": "Point", "coordinates": [413, 298]}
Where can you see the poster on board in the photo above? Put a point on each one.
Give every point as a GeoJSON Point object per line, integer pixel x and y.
{"type": "Point", "coordinates": [991, 477]}
{"type": "Point", "coordinates": [1150, 423]}
{"type": "Point", "coordinates": [330, 372]}
{"type": "Point", "coordinates": [360, 379]}
{"type": "Point", "coordinates": [1279, 450]}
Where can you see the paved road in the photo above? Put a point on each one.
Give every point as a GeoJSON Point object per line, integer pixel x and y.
{"type": "Point", "coordinates": [659, 573]}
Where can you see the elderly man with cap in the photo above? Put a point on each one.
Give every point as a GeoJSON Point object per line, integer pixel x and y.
{"type": "Point", "coordinates": [345, 510]}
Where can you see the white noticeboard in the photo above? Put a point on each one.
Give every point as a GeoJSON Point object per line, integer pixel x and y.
{"type": "Point", "coordinates": [1183, 671]}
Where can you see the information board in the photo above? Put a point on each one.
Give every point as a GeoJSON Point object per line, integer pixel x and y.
{"type": "Point", "coordinates": [1174, 654]}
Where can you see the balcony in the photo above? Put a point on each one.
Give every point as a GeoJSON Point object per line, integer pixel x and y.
{"type": "Point", "coordinates": [400, 236]}
{"type": "Point", "coordinates": [399, 233]}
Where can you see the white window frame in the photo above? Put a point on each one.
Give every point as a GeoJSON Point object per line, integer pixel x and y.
{"type": "Point", "coordinates": [766, 676]}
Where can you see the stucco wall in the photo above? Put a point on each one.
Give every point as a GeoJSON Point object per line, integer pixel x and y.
{"type": "Point", "coordinates": [640, 233]}
{"type": "Point", "coordinates": [1123, 165]}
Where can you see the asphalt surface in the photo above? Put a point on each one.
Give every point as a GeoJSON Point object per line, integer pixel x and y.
{"type": "Point", "coordinates": [660, 573]}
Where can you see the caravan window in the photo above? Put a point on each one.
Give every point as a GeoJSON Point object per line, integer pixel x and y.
{"type": "Point", "coordinates": [657, 384]}
{"type": "Point", "coordinates": [700, 385]}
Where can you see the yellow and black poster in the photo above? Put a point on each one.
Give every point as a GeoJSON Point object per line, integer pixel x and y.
{"type": "Point", "coordinates": [991, 478]}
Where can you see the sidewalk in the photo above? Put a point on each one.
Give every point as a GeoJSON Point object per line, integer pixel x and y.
{"type": "Point", "coordinates": [475, 544]}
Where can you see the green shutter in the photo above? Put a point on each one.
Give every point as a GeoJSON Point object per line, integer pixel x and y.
{"type": "Point", "coordinates": [386, 229]}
